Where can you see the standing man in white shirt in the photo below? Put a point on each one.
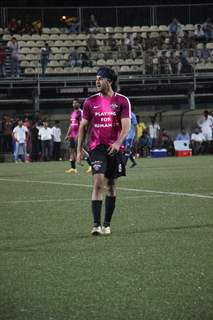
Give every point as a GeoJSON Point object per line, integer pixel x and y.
{"type": "Point", "coordinates": [206, 125]}
{"type": "Point", "coordinates": [154, 129]}
{"type": "Point", "coordinates": [45, 133]}
{"type": "Point", "coordinates": [20, 136]}
{"type": "Point", "coordinates": [56, 133]}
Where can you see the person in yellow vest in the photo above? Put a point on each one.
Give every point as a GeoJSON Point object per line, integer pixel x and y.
{"type": "Point", "coordinates": [139, 130]}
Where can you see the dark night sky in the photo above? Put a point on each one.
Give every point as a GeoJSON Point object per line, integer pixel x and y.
{"type": "Point", "coordinates": [77, 3]}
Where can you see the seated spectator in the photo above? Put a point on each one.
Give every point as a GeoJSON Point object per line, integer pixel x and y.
{"type": "Point", "coordinates": [27, 29]}
{"type": "Point", "coordinates": [128, 42]}
{"type": "Point", "coordinates": [144, 144]}
{"type": "Point", "coordinates": [92, 44]}
{"type": "Point", "coordinates": [165, 142]}
{"type": "Point", "coordinates": [175, 27]}
{"type": "Point", "coordinates": [93, 24]}
{"type": "Point", "coordinates": [19, 26]}
{"type": "Point", "coordinates": [14, 48]}
{"type": "Point", "coordinates": [199, 34]}
{"type": "Point", "coordinates": [203, 53]}
{"type": "Point", "coordinates": [74, 58]}
{"type": "Point", "coordinates": [70, 24]}
{"type": "Point", "coordinates": [85, 60]}
{"type": "Point", "coordinates": [37, 26]}
{"type": "Point", "coordinates": [183, 65]}
{"type": "Point", "coordinates": [164, 62]}
{"type": "Point", "coordinates": [183, 135]}
{"type": "Point", "coordinates": [111, 42]}
{"type": "Point", "coordinates": [12, 25]}
{"type": "Point", "coordinates": [3, 56]}
{"type": "Point", "coordinates": [122, 49]}
{"type": "Point", "coordinates": [137, 50]}
{"type": "Point", "coordinates": [197, 142]}
{"type": "Point", "coordinates": [207, 28]}
{"type": "Point", "coordinates": [173, 60]}
{"type": "Point", "coordinates": [45, 53]}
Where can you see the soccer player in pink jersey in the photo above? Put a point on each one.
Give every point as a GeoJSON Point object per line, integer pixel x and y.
{"type": "Point", "coordinates": [72, 133]}
{"type": "Point", "coordinates": [107, 117]}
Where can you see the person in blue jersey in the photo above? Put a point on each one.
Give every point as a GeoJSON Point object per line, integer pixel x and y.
{"type": "Point", "coordinates": [129, 141]}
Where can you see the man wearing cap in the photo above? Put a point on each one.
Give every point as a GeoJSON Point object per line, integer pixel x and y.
{"type": "Point", "coordinates": [107, 116]}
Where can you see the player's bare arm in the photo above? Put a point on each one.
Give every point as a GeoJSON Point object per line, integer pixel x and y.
{"type": "Point", "coordinates": [126, 124]}
{"type": "Point", "coordinates": [81, 137]}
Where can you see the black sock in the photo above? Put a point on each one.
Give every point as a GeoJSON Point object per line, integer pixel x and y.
{"type": "Point", "coordinates": [96, 211]}
{"type": "Point", "coordinates": [109, 209]}
{"type": "Point", "coordinates": [88, 161]}
{"type": "Point", "coordinates": [72, 162]}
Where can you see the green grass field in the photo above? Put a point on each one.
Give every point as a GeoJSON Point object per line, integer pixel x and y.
{"type": "Point", "coordinates": [156, 265]}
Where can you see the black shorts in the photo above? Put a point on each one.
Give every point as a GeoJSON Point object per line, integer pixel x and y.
{"type": "Point", "coordinates": [112, 166]}
{"type": "Point", "coordinates": [73, 143]}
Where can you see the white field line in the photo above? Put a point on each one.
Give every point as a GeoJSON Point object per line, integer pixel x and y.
{"type": "Point", "coordinates": [70, 199]}
{"type": "Point", "coordinates": [183, 194]}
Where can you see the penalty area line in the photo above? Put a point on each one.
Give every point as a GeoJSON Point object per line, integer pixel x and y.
{"type": "Point", "coordinates": [182, 194]}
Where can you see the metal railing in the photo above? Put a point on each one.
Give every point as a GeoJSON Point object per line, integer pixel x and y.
{"type": "Point", "coordinates": [111, 16]}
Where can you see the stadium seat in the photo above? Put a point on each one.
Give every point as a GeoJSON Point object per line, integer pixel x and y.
{"type": "Point", "coordinates": [189, 27]}
{"type": "Point", "coordinates": [109, 29]}
{"type": "Point", "coordinates": [6, 37]}
{"type": "Point", "coordinates": [136, 29]}
{"type": "Point", "coordinates": [29, 71]}
{"type": "Point", "coordinates": [54, 37]}
{"type": "Point", "coordinates": [154, 29]}
{"type": "Point", "coordinates": [118, 36]}
{"type": "Point", "coordinates": [127, 29]}
{"type": "Point", "coordinates": [118, 29]}
{"type": "Point", "coordinates": [82, 36]}
{"type": "Point", "coordinates": [163, 28]}
{"type": "Point", "coordinates": [35, 50]}
{"type": "Point", "coordinates": [209, 45]}
{"type": "Point", "coordinates": [45, 37]}
{"type": "Point", "coordinates": [124, 69]}
{"type": "Point", "coordinates": [35, 37]}
{"type": "Point", "coordinates": [46, 30]}
{"type": "Point", "coordinates": [25, 50]}
{"type": "Point", "coordinates": [55, 31]}
{"type": "Point", "coordinates": [24, 64]}
{"type": "Point", "coordinates": [144, 29]}
{"type": "Point", "coordinates": [26, 37]}
{"type": "Point", "coordinates": [101, 62]}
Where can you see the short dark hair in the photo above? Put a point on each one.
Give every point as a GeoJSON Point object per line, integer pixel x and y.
{"type": "Point", "coordinates": [110, 74]}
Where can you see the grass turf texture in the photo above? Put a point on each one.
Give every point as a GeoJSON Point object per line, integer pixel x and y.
{"type": "Point", "coordinates": [157, 264]}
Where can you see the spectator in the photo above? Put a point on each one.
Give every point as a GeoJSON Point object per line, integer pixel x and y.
{"type": "Point", "coordinates": [183, 135]}
{"type": "Point", "coordinates": [75, 58]}
{"type": "Point", "coordinates": [92, 44]}
{"type": "Point", "coordinates": [93, 24]}
{"type": "Point", "coordinates": [34, 143]}
{"type": "Point", "coordinates": [14, 47]}
{"type": "Point", "coordinates": [175, 27]}
{"type": "Point", "coordinates": [183, 65]}
{"type": "Point", "coordinates": [7, 129]}
{"type": "Point", "coordinates": [165, 142]}
{"type": "Point", "coordinates": [27, 29]}
{"type": "Point", "coordinates": [20, 136]}
{"type": "Point", "coordinates": [12, 25]}
{"type": "Point", "coordinates": [203, 53]}
{"type": "Point", "coordinates": [122, 49]}
{"type": "Point", "coordinates": [19, 26]}
{"type": "Point", "coordinates": [111, 42]}
{"type": "Point", "coordinates": [70, 24]}
{"type": "Point", "coordinates": [205, 123]}
{"type": "Point", "coordinates": [37, 26]}
{"type": "Point", "coordinates": [199, 34]}
{"type": "Point", "coordinates": [153, 132]}
{"type": "Point", "coordinates": [85, 60]}
{"type": "Point", "coordinates": [197, 139]}
{"type": "Point", "coordinates": [56, 133]}
{"type": "Point", "coordinates": [128, 42]}
{"type": "Point", "coordinates": [45, 54]}
{"type": "Point", "coordinates": [3, 56]}
{"type": "Point", "coordinates": [173, 60]}
{"type": "Point", "coordinates": [207, 28]}
{"type": "Point", "coordinates": [144, 144]}
{"type": "Point", "coordinates": [45, 134]}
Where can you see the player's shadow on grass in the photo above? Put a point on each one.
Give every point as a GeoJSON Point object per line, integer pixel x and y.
{"type": "Point", "coordinates": [66, 239]}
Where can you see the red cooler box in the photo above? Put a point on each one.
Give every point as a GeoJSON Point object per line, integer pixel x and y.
{"type": "Point", "coordinates": [183, 153]}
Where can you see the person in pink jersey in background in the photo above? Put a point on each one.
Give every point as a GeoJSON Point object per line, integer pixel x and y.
{"type": "Point", "coordinates": [72, 133]}
{"type": "Point", "coordinates": [106, 115]}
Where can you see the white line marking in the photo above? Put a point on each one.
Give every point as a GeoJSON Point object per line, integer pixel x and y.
{"type": "Point", "coordinates": [69, 200]}
{"type": "Point", "coordinates": [183, 194]}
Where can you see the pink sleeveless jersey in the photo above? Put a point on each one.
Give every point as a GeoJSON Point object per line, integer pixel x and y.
{"type": "Point", "coordinates": [105, 114]}
{"type": "Point", "coordinates": [75, 119]}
